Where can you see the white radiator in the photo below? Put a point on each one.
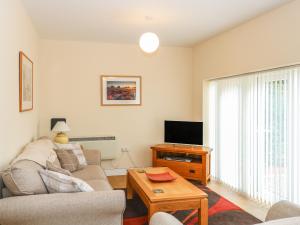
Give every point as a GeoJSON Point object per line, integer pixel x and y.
{"type": "Point", "coordinates": [108, 146]}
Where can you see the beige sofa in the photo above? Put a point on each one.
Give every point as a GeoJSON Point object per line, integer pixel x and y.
{"type": "Point", "coordinates": [105, 206]}
{"type": "Point", "coordinates": [281, 213]}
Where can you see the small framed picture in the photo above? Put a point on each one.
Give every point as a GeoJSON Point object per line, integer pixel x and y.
{"type": "Point", "coordinates": [121, 90]}
{"type": "Point", "coordinates": [25, 83]}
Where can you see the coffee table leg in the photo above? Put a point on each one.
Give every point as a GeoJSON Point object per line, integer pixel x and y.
{"type": "Point", "coordinates": [129, 189]}
{"type": "Point", "coordinates": [203, 212]}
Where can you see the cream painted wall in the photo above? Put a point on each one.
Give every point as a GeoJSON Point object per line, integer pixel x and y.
{"type": "Point", "coordinates": [70, 87]}
{"type": "Point", "coordinates": [268, 41]}
{"type": "Point", "coordinates": [17, 33]}
{"type": "Point", "coordinates": [69, 78]}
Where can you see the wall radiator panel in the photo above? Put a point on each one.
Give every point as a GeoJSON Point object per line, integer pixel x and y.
{"type": "Point", "coordinates": [108, 145]}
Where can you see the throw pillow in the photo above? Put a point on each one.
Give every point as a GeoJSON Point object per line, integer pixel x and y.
{"type": "Point", "coordinates": [23, 178]}
{"type": "Point", "coordinates": [53, 167]}
{"type": "Point", "coordinates": [56, 162]}
{"type": "Point", "coordinates": [76, 148]}
{"type": "Point", "coordinates": [68, 160]}
{"type": "Point", "coordinates": [60, 183]}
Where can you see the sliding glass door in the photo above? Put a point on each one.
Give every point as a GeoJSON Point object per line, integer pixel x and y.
{"type": "Point", "coordinates": [254, 129]}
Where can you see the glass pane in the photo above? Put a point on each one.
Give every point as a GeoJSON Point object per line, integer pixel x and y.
{"type": "Point", "coordinates": [275, 135]}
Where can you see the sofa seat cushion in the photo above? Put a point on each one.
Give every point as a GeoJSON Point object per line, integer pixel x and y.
{"type": "Point", "coordinates": [100, 185]}
{"type": "Point", "coordinates": [90, 172]}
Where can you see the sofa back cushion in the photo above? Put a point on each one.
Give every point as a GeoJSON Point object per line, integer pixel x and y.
{"type": "Point", "coordinates": [23, 178]}
{"type": "Point", "coordinates": [38, 151]}
{"type": "Point", "coordinates": [283, 209]}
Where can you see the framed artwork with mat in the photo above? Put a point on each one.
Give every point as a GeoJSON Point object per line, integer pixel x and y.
{"type": "Point", "coordinates": [25, 83]}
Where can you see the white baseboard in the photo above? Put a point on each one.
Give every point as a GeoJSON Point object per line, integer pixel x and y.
{"type": "Point", "coordinates": [115, 172]}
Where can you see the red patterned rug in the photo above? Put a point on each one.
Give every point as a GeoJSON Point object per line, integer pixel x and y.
{"type": "Point", "coordinates": [221, 212]}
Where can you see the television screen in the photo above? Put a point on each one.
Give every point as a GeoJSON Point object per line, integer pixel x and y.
{"type": "Point", "coordinates": [183, 132]}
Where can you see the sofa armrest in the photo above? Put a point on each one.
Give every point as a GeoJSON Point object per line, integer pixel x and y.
{"type": "Point", "coordinates": [283, 209]}
{"type": "Point", "coordinates": [89, 208]}
{"type": "Point", "coordinates": [93, 157]}
{"type": "Point", "coordinates": [285, 221]}
{"type": "Point", "coordinates": [161, 218]}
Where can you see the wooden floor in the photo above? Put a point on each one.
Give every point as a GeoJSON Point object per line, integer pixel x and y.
{"type": "Point", "coordinates": [250, 206]}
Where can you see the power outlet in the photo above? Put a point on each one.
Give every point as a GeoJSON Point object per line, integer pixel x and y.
{"type": "Point", "coordinates": [124, 150]}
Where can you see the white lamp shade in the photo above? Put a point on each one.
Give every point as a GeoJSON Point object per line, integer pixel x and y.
{"type": "Point", "coordinates": [149, 42]}
{"type": "Point", "coordinates": [61, 126]}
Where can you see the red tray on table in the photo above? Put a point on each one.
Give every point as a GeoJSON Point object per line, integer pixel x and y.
{"type": "Point", "coordinates": [160, 177]}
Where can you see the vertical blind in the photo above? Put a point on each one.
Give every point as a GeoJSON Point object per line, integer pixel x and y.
{"type": "Point", "coordinates": [254, 129]}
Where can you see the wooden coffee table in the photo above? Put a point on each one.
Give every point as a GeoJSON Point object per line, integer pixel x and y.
{"type": "Point", "coordinates": [177, 195]}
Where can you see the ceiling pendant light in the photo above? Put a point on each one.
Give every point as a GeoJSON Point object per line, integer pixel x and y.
{"type": "Point", "coordinates": [149, 42]}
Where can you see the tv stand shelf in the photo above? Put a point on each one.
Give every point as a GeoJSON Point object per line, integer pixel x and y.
{"type": "Point", "coordinates": [191, 162]}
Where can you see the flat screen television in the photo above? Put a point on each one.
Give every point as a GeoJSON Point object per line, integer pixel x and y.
{"type": "Point", "coordinates": [184, 132]}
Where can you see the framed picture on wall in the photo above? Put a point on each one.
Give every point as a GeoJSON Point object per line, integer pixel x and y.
{"type": "Point", "coordinates": [121, 90]}
{"type": "Point", "coordinates": [25, 83]}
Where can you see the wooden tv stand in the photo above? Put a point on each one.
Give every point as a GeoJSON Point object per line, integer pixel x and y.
{"type": "Point", "coordinates": [191, 162]}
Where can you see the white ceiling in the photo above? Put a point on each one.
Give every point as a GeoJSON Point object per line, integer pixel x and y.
{"type": "Point", "coordinates": [177, 22]}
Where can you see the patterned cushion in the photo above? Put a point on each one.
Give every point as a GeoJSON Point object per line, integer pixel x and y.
{"type": "Point", "coordinates": [51, 166]}
{"type": "Point", "coordinates": [68, 160]}
{"type": "Point", "coordinates": [60, 183]}
{"type": "Point", "coordinates": [76, 148]}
